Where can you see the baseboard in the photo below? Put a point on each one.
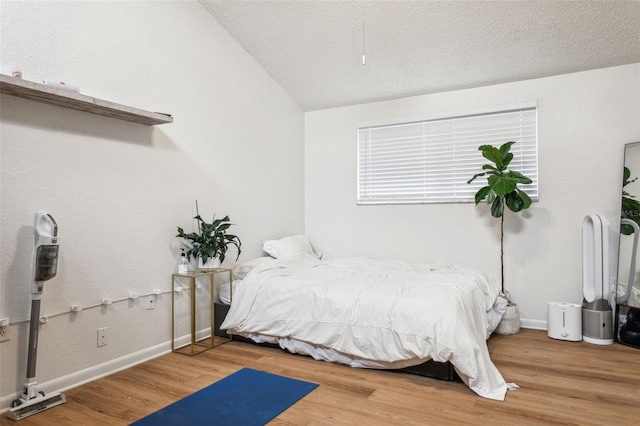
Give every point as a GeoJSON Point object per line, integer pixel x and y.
{"type": "Point", "coordinates": [90, 374]}
{"type": "Point", "coordinates": [185, 339]}
{"type": "Point", "coordinates": [533, 324]}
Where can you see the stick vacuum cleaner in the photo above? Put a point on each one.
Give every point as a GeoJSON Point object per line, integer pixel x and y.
{"type": "Point", "coordinates": [45, 266]}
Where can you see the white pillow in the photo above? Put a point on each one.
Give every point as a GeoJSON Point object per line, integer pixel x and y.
{"type": "Point", "coordinates": [288, 246]}
{"type": "Point", "coordinates": [241, 270]}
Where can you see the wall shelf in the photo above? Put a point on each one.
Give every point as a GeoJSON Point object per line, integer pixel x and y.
{"type": "Point", "coordinates": [68, 99]}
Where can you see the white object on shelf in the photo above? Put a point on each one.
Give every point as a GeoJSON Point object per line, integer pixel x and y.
{"type": "Point", "coordinates": [11, 71]}
{"type": "Point", "coordinates": [61, 85]}
{"type": "Point", "coordinates": [183, 265]}
{"type": "Point", "coordinates": [564, 321]}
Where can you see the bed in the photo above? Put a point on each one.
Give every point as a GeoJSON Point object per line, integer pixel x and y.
{"type": "Point", "coordinates": [369, 313]}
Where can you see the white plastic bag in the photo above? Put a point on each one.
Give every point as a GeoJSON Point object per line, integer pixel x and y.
{"type": "Point", "coordinates": [510, 323]}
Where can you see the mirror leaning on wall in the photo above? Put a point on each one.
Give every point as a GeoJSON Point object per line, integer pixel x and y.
{"type": "Point", "coordinates": [627, 317]}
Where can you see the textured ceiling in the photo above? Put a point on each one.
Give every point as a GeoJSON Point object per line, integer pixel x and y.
{"type": "Point", "coordinates": [313, 49]}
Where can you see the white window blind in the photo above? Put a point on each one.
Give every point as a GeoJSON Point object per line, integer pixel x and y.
{"type": "Point", "coordinates": [430, 161]}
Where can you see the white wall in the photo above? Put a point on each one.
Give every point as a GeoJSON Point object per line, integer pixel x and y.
{"type": "Point", "coordinates": [118, 190]}
{"type": "Point", "coordinates": [584, 120]}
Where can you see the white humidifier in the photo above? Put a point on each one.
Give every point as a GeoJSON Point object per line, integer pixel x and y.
{"type": "Point", "coordinates": [564, 321]}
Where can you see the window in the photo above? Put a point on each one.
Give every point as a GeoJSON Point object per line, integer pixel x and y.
{"type": "Point", "coordinates": [431, 160]}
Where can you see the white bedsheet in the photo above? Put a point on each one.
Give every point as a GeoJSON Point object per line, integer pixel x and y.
{"type": "Point", "coordinates": [377, 310]}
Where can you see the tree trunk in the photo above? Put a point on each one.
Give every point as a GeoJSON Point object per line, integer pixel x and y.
{"type": "Point", "coordinates": [502, 251]}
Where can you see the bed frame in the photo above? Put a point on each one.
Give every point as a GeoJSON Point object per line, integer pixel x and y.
{"type": "Point", "coordinates": [433, 369]}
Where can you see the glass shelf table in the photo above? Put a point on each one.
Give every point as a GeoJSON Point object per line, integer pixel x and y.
{"type": "Point", "coordinates": [194, 303]}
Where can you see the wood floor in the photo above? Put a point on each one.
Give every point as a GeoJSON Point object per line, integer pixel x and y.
{"type": "Point", "coordinates": [567, 383]}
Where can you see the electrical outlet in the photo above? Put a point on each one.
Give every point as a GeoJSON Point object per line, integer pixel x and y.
{"type": "Point", "coordinates": [102, 336]}
{"type": "Point", "coordinates": [4, 333]}
{"type": "Point", "coordinates": [151, 301]}
{"type": "Point", "coordinates": [4, 330]}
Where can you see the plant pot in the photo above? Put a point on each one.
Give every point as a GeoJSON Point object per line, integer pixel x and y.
{"type": "Point", "coordinates": [510, 322]}
{"type": "Point", "coordinates": [211, 263]}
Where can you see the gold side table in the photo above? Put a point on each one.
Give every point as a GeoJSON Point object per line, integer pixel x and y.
{"type": "Point", "coordinates": [206, 340]}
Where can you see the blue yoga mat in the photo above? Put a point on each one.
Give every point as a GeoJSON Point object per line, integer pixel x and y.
{"type": "Point", "coordinates": [245, 398]}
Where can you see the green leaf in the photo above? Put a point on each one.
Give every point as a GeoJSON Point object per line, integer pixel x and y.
{"type": "Point", "coordinates": [630, 210]}
{"type": "Point", "coordinates": [518, 177]}
{"type": "Point", "coordinates": [525, 198]}
{"type": "Point", "coordinates": [625, 178]}
{"type": "Point", "coordinates": [224, 226]}
{"type": "Point", "coordinates": [506, 147]}
{"type": "Point", "coordinates": [506, 155]}
{"type": "Point", "coordinates": [482, 194]}
{"type": "Point", "coordinates": [626, 229]}
{"type": "Point", "coordinates": [506, 160]}
{"type": "Point", "coordinates": [502, 185]}
{"type": "Point", "coordinates": [517, 200]}
{"type": "Point", "coordinates": [491, 196]}
{"type": "Point", "coordinates": [514, 201]}
{"type": "Point", "coordinates": [492, 154]}
{"type": "Point", "coordinates": [475, 176]}
{"type": "Point", "coordinates": [497, 208]}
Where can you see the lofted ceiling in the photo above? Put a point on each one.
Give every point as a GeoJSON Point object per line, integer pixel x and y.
{"type": "Point", "coordinates": [314, 48]}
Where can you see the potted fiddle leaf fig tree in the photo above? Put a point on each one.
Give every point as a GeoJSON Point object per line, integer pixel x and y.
{"type": "Point", "coordinates": [502, 190]}
{"type": "Point", "coordinates": [210, 244]}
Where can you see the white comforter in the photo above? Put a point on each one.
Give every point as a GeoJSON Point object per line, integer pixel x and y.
{"type": "Point", "coordinates": [374, 310]}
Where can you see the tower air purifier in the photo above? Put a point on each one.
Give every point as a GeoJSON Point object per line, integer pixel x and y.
{"type": "Point", "coordinates": [597, 316]}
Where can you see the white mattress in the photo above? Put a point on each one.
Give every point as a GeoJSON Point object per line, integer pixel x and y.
{"type": "Point", "coordinates": [372, 313]}
{"type": "Point", "coordinates": [223, 292]}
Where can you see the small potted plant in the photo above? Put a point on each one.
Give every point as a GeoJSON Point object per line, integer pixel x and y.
{"type": "Point", "coordinates": [502, 189]}
{"type": "Point", "coordinates": [210, 244]}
